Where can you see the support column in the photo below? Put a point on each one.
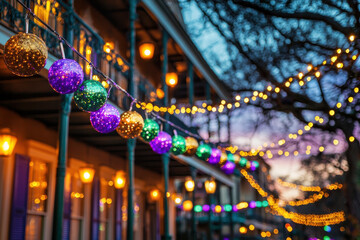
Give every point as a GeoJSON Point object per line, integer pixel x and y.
{"type": "Point", "coordinates": [229, 126]}
{"type": "Point", "coordinates": [61, 167]}
{"type": "Point", "coordinates": [211, 227]}
{"type": "Point", "coordinates": [231, 213]}
{"type": "Point", "coordinates": [164, 68]}
{"type": "Point", "coordinates": [165, 157]}
{"type": "Point", "coordinates": [131, 142]}
{"type": "Point", "coordinates": [208, 99]}
{"type": "Point", "coordinates": [219, 202]}
{"type": "Point", "coordinates": [191, 87]}
{"type": "Point", "coordinates": [166, 160]}
{"type": "Point", "coordinates": [193, 220]}
{"type": "Point", "coordinates": [219, 128]}
{"type": "Point", "coordinates": [64, 118]}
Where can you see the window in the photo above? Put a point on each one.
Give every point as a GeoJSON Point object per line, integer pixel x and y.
{"type": "Point", "coordinates": [77, 207]}
{"type": "Point", "coordinates": [106, 208]}
{"type": "Point", "coordinates": [37, 199]}
{"type": "Point", "coordinates": [107, 203]}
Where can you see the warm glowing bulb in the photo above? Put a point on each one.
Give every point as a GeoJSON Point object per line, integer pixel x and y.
{"type": "Point", "coordinates": [146, 50]}
{"type": "Point", "coordinates": [171, 79]}
{"type": "Point", "coordinates": [6, 146]}
{"type": "Point", "coordinates": [190, 185]}
{"type": "Point", "coordinates": [86, 175]}
{"type": "Point", "coordinates": [154, 195]}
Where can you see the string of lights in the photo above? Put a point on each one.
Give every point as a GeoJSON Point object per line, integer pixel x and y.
{"type": "Point", "coordinates": [149, 107]}
{"type": "Point", "coordinates": [304, 219]}
{"type": "Point", "coordinates": [93, 67]}
{"type": "Point", "coordinates": [332, 186]}
{"type": "Point", "coordinates": [302, 78]}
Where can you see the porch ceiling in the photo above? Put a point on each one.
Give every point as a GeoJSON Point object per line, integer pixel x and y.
{"type": "Point", "coordinates": [149, 29]}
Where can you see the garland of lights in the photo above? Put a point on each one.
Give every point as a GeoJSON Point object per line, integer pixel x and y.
{"type": "Point", "coordinates": [333, 186]}
{"type": "Point", "coordinates": [66, 76]}
{"type": "Point", "coordinates": [25, 55]}
{"type": "Point", "coordinates": [313, 73]}
{"type": "Point", "coordinates": [304, 219]}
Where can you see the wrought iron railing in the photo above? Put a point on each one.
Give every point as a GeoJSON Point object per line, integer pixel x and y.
{"type": "Point", "coordinates": [61, 17]}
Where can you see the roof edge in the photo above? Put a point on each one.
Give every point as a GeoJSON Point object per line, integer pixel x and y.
{"type": "Point", "coordinates": [178, 33]}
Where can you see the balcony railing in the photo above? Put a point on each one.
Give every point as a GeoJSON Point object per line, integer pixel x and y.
{"type": "Point", "coordinates": [61, 17]}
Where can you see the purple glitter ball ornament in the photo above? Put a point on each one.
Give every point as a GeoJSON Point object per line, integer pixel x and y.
{"type": "Point", "coordinates": [215, 156]}
{"type": "Point", "coordinates": [206, 208]}
{"type": "Point", "coordinates": [162, 143]}
{"type": "Point", "coordinates": [228, 167]}
{"type": "Point", "coordinates": [65, 76]}
{"type": "Point", "coordinates": [106, 119]}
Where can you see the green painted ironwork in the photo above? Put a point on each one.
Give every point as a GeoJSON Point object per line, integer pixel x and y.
{"type": "Point", "coordinates": [131, 142]}
{"type": "Point", "coordinates": [61, 168]}
{"type": "Point", "coordinates": [63, 143]}
{"type": "Point", "coordinates": [211, 227]}
{"type": "Point", "coordinates": [165, 157]}
{"type": "Point", "coordinates": [191, 87]}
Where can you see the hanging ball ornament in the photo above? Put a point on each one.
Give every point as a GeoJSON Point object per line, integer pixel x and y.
{"type": "Point", "coordinates": [228, 167]}
{"type": "Point", "coordinates": [203, 152]}
{"type": "Point", "coordinates": [215, 156]}
{"type": "Point", "coordinates": [65, 76]}
{"type": "Point", "coordinates": [150, 131]}
{"type": "Point", "coordinates": [230, 157]}
{"type": "Point", "coordinates": [106, 119]}
{"type": "Point", "coordinates": [25, 54]}
{"type": "Point", "coordinates": [178, 145]}
{"type": "Point", "coordinates": [191, 146]}
{"type": "Point", "coordinates": [131, 125]}
{"type": "Point", "coordinates": [223, 157]}
{"type": "Point", "coordinates": [161, 143]}
{"type": "Point", "coordinates": [90, 96]}
{"type": "Point", "coordinates": [236, 158]}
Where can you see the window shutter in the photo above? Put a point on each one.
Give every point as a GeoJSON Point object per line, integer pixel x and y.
{"type": "Point", "coordinates": [19, 198]}
{"type": "Point", "coordinates": [118, 214]}
{"type": "Point", "coordinates": [95, 213]}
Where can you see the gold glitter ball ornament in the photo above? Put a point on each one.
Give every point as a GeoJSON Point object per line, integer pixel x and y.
{"type": "Point", "coordinates": [223, 158]}
{"type": "Point", "coordinates": [191, 146]}
{"type": "Point", "coordinates": [131, 125]}
{"type": "Point", "coordinates": [25, 54]}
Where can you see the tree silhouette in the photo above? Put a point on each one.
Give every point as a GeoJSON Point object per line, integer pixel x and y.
{"type": "Point", "coordinates": [267, 41]}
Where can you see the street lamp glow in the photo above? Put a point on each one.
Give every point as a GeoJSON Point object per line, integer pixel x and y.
{"type": "Point", "coordinates": [187, 205]}
{"type": "Point", "coordinates": [7, 142]}
{"type": "Point", "coordinates": [171, 79]}
{"type": "Point", "coordinates": [119, 181]}
{"type": "Point", "coordinates": [154, 195]}
{"type": "Point", "coordinates": [86, 174]}
{"type": "Point", "coordinates": [210, 186]}
{"type": "Point", "coordinates": [190, 185]}
{"type": "Point", "coordinates": [147, 50]}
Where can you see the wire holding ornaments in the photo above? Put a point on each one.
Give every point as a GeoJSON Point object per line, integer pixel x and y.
{"type": "Point", "coordinates": [93, 67]}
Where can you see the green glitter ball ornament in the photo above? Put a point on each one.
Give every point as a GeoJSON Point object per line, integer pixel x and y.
{"type": "Point", "coordinates": [203, 152]}
{"type": "Point", "coordinates": [230, 157]}
{"type": "Point", "coordinates": [90, 96]}
{"type": "Point", "coordinates": [150, 130]}
{"type": "Point", "coordinates": [178, 145]}
{"type": "Point", "coordinates": [243, 162]}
